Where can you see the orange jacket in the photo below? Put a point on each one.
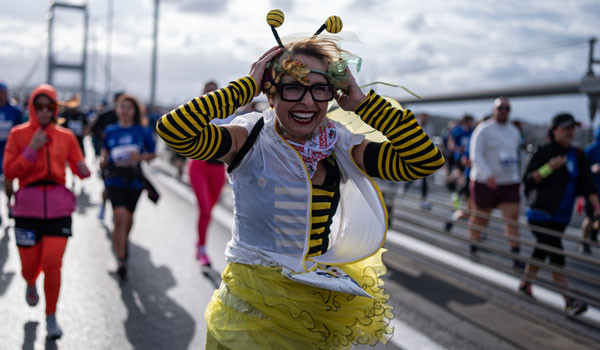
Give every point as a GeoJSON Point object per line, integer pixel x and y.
{"type": "Point", "coordinates": [48, 161]}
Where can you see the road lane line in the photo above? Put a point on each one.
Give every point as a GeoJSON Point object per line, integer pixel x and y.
{"type": "Point", "coordinates": [409, 338]}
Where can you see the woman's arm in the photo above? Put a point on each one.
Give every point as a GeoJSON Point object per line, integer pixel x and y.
{"type": "Point", "coordinates": [408, 155]}
{"type": "Point", "coordinates": [75, 158]}
{"type": "Point", "coordinates": [18, 160]}
{"type": "Point", "coordinates": [537, 170]}
{"type": "Point", "coordinates": [103, 157]}
{"type": "Point", "coordinates": [187, 129]}
{"type": "Point", "coordinates": [149, 146]}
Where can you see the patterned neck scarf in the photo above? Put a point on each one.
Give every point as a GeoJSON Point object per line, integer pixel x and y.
{"type": "Point", "coordinates": [317, 148]}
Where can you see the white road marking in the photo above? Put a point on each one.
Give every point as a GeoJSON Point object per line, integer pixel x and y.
{"type": "Point", "coordinates": [409, 338]}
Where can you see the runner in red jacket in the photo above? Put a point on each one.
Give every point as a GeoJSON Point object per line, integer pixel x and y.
{"type": "Point", "coordinates": [36, 153]}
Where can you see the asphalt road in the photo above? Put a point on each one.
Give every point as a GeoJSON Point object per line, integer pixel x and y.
{"type": "Point", "coordinates": [161, 305]}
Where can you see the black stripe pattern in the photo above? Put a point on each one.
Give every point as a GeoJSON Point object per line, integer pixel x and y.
{"type": "Point", "coordinates": [187, 129]}
{"type": "Point", "coordinates": [409, 154]}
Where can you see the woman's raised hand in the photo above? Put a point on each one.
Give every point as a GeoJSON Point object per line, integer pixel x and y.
{"type": "Point", "coordinates": [38, 140]}
{"type": "Point", "coordinates": [257, 70]}
{"type": "Point", "coordinates": [352, 97]}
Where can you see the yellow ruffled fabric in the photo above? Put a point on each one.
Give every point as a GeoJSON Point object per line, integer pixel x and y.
{"type": "Point", "coordinates": [256, 307]}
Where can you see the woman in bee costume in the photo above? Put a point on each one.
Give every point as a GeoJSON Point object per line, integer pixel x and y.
{"type": "Point", "coordinates": [304, 261]}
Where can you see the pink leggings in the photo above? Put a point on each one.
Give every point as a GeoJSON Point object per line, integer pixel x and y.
{"type": "Point", "coordinates": [45, 256]}
{"type": "Point", "coordinates": [207, 180]}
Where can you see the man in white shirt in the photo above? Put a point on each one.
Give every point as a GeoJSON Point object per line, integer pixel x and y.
{"type": "Point", "coordinates": [495, 178]}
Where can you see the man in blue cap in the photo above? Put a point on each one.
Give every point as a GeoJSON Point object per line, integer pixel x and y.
{"type": "Point", "coordinates": [9, 117]}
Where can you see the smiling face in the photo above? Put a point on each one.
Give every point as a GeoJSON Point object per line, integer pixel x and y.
{"type": "Point", "coordinates": [300, 118]}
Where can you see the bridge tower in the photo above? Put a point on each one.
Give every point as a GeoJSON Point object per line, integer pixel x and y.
{"type": "Point", "coordinates": [53, 64]}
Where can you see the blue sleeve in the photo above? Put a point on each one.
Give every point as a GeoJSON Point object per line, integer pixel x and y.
{"type": "Point", "coordinates": [149, 143]}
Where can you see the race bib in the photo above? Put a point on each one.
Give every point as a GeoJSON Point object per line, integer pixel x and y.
{"type": "Point", "coordinates": [121, 153]}
{"type": "Point", "coordinates": [509, 163]}
{"type": "Point", "coordinates": [25, 237]}
{"type": "Point", "coordinates": [329, 277]}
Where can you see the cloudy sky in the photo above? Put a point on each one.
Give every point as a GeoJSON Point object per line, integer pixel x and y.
{"type": "Point", "coordinates": [429, 46]}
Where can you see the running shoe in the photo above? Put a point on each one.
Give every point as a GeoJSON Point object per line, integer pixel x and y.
{"type": "Point", "coordinates": [204, 260]}
{"type": "Point", "coordinates": [31, 295]}
{"type": "Point", "coordinates": [448, 226]}
{"type": "Point", "coordinates": [122, 271]}
{"type": "Point", "coordinates": [426, 205]}
{"type": "Point", "coordinates": [525, 289]}
{"type": "Point", "coordinates": [473, 249]}
{"type": "Point", "coordinates": [518, 264]}
{"type": "Point", "coordinates": [584, 248]}
{"type": "Point", "coordinates": [54, 331]}
{"type": "Point", "coordinates": [575, 307]}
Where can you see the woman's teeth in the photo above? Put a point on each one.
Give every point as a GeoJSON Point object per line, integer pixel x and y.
{"type": "Point", "coordinates": [302, 116]}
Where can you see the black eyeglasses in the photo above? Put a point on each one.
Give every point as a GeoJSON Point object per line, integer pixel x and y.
{"type": "Point", "coordinates": [504, 108]}
{"type": "Point", "coordinates": [296, 92]}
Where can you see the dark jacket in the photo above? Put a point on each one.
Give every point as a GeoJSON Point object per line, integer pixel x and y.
{"type": "Point", "coordinates": [547, 195]}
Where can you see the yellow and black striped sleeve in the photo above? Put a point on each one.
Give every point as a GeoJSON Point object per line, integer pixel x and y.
{"type": "Point", "coordinates": [187, 129]}
{"type": "Point", "coordinates": [409, 154]}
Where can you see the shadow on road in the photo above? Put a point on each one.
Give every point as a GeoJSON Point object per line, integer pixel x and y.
{"type": "Point", "coordinates": [83, 202]}
{"type": "Point", "coordinates": [30, 330]}
{"type": "Point", "coordinates": [213, 276]}
{"type": "Point", "coordinates": [5, 277]}
{"type": "Point", "coordinates": [154, 320]}
{"type": "Point", "coordinates": [51, 344]}
{"type": "Point", "coordinates": [434, 289]}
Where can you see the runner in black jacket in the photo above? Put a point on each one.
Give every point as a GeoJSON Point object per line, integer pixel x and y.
{"type": "Point", "coordinates": [556, 174]}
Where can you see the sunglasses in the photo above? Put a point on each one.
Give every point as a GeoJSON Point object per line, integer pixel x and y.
{"type": "Point", "coordinates": [41, 106]}
{"type": "Point", "coordinates": [296, 92]}
{"type": "Point", "coordinates": [503, 108]}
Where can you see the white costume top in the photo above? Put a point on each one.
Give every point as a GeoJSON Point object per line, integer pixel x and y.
{"type": "Point", "coordinates": [272, 204]}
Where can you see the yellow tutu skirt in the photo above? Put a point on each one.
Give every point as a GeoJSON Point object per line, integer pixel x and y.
{"type": "Point", "coordinates": [256, 307]}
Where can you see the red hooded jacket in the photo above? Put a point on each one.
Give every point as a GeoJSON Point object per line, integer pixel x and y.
{"type": "Point", "coordinates": [48, 162]}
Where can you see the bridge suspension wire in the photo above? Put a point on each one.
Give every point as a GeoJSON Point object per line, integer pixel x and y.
{"type": "Point", "coordinates": [486, 57]}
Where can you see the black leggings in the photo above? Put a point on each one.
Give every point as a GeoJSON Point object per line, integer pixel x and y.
{"type": "Point", "coordinates": [553, 241]}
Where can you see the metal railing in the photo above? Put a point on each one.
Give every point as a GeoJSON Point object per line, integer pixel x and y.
{"type": "Point", "coordinates": [405, 214]}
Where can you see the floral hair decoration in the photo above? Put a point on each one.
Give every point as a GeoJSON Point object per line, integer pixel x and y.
{"type": "Point", "coordinates": [336, 71]}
